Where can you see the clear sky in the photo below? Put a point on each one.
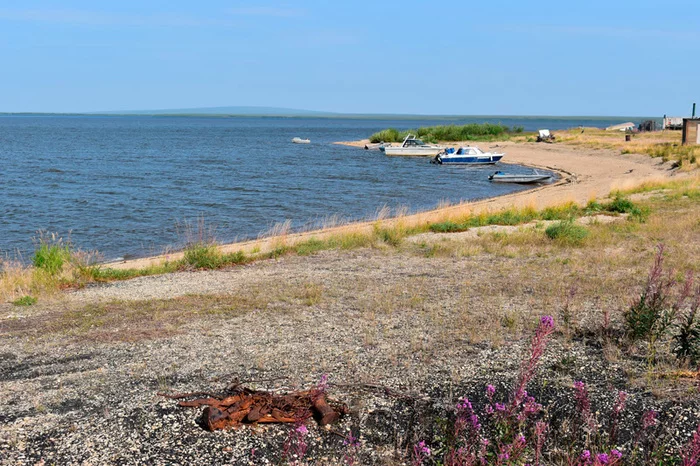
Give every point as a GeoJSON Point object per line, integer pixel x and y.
{"type": "Point", "coordinates": [614, 57]}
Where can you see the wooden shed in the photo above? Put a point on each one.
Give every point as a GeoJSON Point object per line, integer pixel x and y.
{"type": "Point", "coordinates": [691, 133]}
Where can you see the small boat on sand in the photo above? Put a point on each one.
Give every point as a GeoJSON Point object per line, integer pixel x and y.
{"type": "Point", "coordinates": [301, 141]}
{"type": "Point", "coordinates": [466, 156]}
{"type": "Point", "coordinates": [413, 146]}
{"type": "Point", "coordinates": [500, 177]}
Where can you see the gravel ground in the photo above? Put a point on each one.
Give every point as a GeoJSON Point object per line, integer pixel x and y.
{"type": "Point", "coordinates": [424, 328]}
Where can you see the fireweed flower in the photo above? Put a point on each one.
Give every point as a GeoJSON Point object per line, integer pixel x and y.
{"type": "Point", "coordinates": [616, 454]}
{"type": "Point", "coordinates": [586, 457]}
{"type": "Point", "coordinates": [621, 401]}
{"type": "Point", "coordinates": [490, 391]}
{"type": "Point", "coordinates": [603, 458]}
{"type": "Point", "coordinates": [547, 321]}
{"type": "Point", "coordinates": [351, 441]}
{"type": "Point", "coordinates": [527, 368]}
{"type": "Point", "coordinates": [649, 419]}
{"type": "Point", "coordinates": [302, 430]}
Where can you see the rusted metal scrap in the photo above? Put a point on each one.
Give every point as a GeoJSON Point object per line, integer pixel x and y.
{"type": "Point", "coordinates": [245, 406]}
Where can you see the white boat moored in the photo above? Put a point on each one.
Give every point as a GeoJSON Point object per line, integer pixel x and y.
{"type": "Point", "coordinates": [300, 141]}
{"type": "Point", "coordinates": [413, 146]}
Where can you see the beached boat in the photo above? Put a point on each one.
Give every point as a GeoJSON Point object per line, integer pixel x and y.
{"type": "Point", "coordinates": [413, 146]}
{"type": "Point", "coordinates": [500, 177]}
{"type": "Point", "coordinates": [300, 141]}
{"type": "Point", "coordinates": [467, 156]}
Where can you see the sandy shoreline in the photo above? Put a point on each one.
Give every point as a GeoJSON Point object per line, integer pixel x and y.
{"type": "Point", "coordinates": [585, 174]}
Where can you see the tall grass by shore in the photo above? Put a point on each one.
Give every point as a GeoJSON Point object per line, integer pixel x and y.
{"type": "Point", "coordinates": [47, 276]}
{"type": "Point", "coordinates": [469, 132]}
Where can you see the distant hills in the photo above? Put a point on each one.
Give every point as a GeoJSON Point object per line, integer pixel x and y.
{"type": "Point", "coordinates": [237, 111]}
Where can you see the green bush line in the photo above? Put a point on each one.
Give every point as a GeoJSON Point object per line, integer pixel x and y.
{"type": "Point", "coordinates": [619, 204]}
{"type": "Point", "coordinates": [469, 132]}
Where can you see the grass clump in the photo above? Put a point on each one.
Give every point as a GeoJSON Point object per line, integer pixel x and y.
{"type": "Point", "coordinates": [623, 205]}
{"type": "Point", "coordinates": [202, 256]}
{"type": "Point", "coordinates": [310, 246]}
{"type": "Point", "coordinates": [51, 254]}
{"type": "Point", "coordinates": [567, 232]}
{"type": "Point", "coordinates": [448, 226]}
{"type": "Point", "coordinates": [387, 135]}
{"type": "Point", "coordinates": [26, 300]}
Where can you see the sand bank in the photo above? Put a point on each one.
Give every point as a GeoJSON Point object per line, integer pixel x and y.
{"type": "Point", "coordinates": [585, 174]}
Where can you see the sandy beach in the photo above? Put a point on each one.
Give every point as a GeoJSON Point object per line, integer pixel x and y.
{"type": "Point", "coordinates": [585, 174]}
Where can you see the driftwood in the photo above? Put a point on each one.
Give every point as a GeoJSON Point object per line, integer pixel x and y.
{"type": "Point", "coordinates": [245, 406]}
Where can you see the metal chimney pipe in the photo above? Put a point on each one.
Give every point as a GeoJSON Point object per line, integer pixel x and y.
{"type": "Point", "coordinates": [693, 110]}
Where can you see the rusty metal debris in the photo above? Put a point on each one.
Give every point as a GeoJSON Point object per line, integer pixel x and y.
{"type": "Point", "coordinates": [245, 406]}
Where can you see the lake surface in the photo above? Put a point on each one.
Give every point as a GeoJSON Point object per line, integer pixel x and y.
{"type": "Point", "coordinates": [127, 185]}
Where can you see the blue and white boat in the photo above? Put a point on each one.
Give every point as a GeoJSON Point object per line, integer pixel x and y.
{"type": "Point", "coordinates": [470, 155]}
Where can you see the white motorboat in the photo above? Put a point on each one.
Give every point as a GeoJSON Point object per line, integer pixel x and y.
{"type": "Point", "coordinates": [301, 141]}
{"type": "Point", "coordinates": [413, 146]}
{"type": "Point", "coordinates": [471, 155]}
{"type": "Point", "coordinates": [500, 177]}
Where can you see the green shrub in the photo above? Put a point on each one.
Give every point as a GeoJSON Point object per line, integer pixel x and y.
{"type": "Point", "coordinates": [390, 236]}
{"type": "Point", "coordinates": [51, 254]}
{"type": "Point", "coordinates": [202, 256]}
{"type": "Point", "coordinates": [311, 246]}
{"type": "Point", "coordinates": [622, 205]}
{"type": "Point", "coordinates": [238, 257]}
{"type": "Point", "coordinates": [387, 135]}
{"type": "Point", "coordinates": [566, 232]}
{"type": "Point", "coordinates": [25, 301]}
{"type": "Point", "coordinates": [447, 227]}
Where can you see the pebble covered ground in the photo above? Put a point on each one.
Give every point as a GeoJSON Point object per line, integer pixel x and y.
{"type": "Point", "coordinates": [421, 328]}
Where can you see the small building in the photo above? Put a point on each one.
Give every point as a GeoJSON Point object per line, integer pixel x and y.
{"type": "Point", "coordinates": [673, 122]}
{"type": "Point", "coordinates": [691, 132]}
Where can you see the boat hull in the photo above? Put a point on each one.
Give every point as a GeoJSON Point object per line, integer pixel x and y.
{"type": "Point", "coordinates": [413, 151]}
{"type": "Point", "coordinates": [524, 179]}
{"type": "Point", "coordinates": [470, 160]}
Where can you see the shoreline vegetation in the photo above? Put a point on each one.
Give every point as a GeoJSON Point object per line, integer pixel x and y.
{"type": "Point", "coordinates": [450, 133]}
{"type": "Point", "coordinates": [57, 266]}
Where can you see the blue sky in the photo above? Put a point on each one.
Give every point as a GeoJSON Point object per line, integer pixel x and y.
{"type": "Point", "coordinates": [450, 57]}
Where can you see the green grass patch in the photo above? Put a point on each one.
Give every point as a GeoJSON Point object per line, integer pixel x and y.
{"type": "Point", "coordinates": [311, 246]}
{"type": "Point", "coordinates": [51, 254]}
{"type": "Point", "coordinates": [390, 236]}
{"type": "Point", "coordinates": [567, 232]}
{"type": "Point", "coordinates": [621, 204]}
{"type": "Point", "coordinates": [25, 301]}
{"type": "Point", "coordinates": [202, 256]}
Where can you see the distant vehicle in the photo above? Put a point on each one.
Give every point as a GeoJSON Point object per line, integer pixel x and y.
{"type": "Point", "coordinates": [545, 136]}
{"type": "Point", "coordinates": [471, 155]}
{"type": "Point", "coordinates": [413, 146]}
{"type": "Point", "coordinates": [500, 177]}
{"type": "Point", "coordinates": [300, 141]}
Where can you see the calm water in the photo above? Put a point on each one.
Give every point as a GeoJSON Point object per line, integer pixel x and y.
{"type": "Point", "coordinates": [126, 185]}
